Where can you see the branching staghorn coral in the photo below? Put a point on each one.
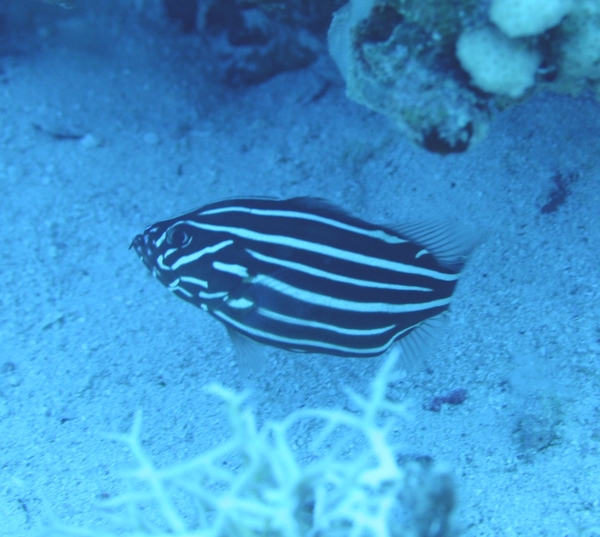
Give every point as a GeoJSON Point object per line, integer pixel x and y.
{"type": "Point", "coordinates": [353, 482]}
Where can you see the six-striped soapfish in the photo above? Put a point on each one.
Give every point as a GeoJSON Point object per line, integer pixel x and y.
{"type": "Point", "coordinates": [303, 275]}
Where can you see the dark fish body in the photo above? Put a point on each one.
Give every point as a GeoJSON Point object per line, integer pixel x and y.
{"type": "Point", "coordinates": [305, 276]}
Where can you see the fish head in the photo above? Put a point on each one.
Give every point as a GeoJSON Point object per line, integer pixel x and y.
{"type": "Point", "coordinates": [162, 246]}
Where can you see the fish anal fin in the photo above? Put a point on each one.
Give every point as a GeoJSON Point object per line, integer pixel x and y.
{"type": "Point", "coordinates": [418, 345]}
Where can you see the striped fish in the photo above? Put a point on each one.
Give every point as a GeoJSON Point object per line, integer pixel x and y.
{"type": "Point", "coordinates": [303, 275]}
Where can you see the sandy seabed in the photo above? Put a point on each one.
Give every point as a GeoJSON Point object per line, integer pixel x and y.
{"type": "Point", "coordinates": [97, 141]}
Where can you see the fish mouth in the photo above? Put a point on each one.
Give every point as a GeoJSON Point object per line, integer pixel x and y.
{"type": "Point", "coordinates": [145, 250]}
{"type": "Point", "coordinates": [138, 243]}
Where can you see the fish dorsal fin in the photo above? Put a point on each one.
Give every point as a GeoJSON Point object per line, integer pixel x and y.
{"type": "Point", "coordinates": [312, 204]}
{"type": "Point", "coordinates": [420, 342]}
{"type": "Point", "coordinates": [449, 242]}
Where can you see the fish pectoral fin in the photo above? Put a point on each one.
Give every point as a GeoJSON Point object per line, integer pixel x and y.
{"type": "Point", "coordinates": [419, 343]}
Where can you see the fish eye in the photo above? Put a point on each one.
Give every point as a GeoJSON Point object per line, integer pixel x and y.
{"type": "Point", "coordinates": [178, 238]}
